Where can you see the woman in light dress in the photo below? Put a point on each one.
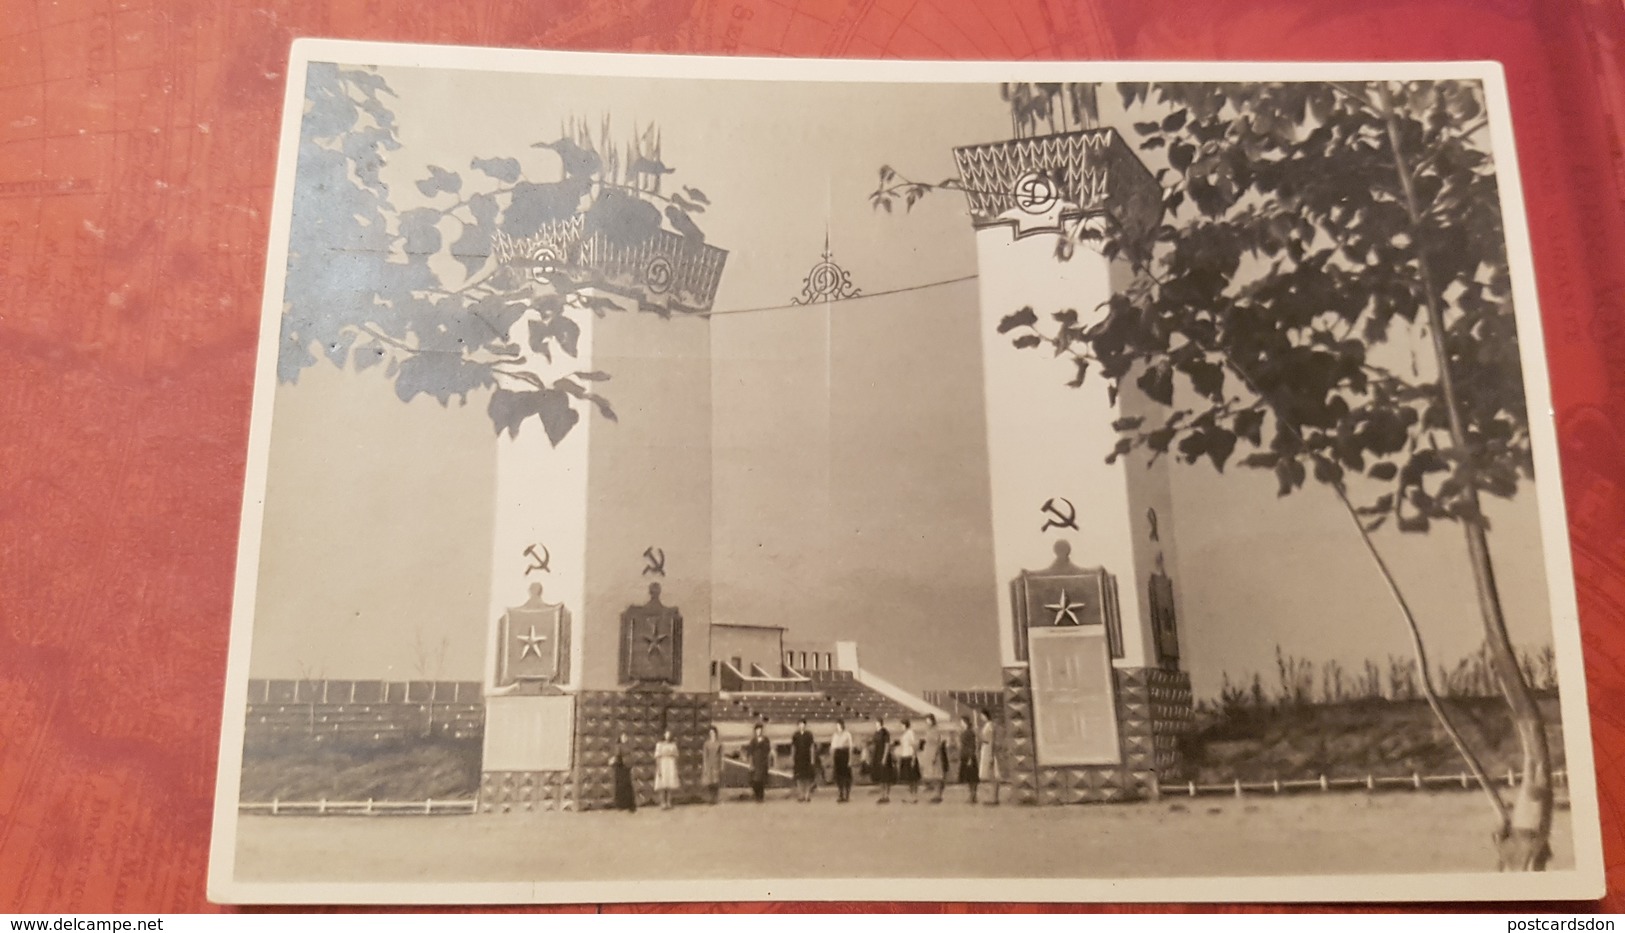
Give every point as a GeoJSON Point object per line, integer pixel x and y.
{"type": "Point", "coordinates": [989, 757]}
{"type": "Point", "coordinates": [666, 782]}
{"type": "Point", "coordinates": [933, 759]}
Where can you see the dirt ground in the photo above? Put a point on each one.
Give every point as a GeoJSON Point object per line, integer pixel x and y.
{"type": "Point", "coordinates": [1338, 833]}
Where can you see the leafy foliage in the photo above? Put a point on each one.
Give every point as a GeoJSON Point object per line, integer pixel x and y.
{"type": "Point", "coordinates": [367, 282]}
{"type": "Point", "coordinates": [1278, 310]}
{"type": "Point", "coordinates": [1052, 107]}
{"type": "Point", "coordinates": [1318, 235]}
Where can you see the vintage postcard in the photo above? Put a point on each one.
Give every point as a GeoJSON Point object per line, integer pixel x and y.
{"type": "Point", "coordinates": [704, 479]}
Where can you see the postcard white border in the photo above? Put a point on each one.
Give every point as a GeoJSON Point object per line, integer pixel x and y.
{"type": "Point", "coordinates": [1585, 881]}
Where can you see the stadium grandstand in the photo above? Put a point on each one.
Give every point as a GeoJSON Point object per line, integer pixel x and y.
{"type": "Point", "coordinates": [760, 678]}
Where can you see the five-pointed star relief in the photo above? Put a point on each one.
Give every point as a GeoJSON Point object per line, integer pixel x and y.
{"type": "Point", "coordinates": [532, 642]}
{"type": "Point", "coordinates": [654, 639]}
{"type": "Point", "coordinates": [1063, 609]}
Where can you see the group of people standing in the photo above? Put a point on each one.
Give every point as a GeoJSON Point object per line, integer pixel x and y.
{"type": "Point", "coordinates": [915, 758]}
{"type": "Point", "coordinates": [911, 759]}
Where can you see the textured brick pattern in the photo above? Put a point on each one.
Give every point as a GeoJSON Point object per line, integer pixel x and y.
{"type": "Point", "coordinates": [526, 791]}
{"type": "Point", "coordinates": [1154, 708]}
{"type": "Point", "coordinates": [1021, 753]}
{"type": "Point", "coordinates": [1134, 719]}
{"type": "Point", "coordinates": [1173, 714]}
{"type": "Point", "coordinates": [1093, 784]}
{"type": "Point", "coordinates": [603, 716]}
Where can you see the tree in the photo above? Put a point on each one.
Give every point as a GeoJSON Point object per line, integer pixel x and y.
{"type": "Point", "coordinates": [1316, 236]}
{"type": "Point", "coordinates": [369, 284]}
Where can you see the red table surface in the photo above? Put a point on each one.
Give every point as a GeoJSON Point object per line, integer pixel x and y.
{"type": "Point", "coordinates": [130, 297]}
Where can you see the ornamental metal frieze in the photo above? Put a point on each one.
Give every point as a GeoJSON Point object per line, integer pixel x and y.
{"type": "Point", "coordinates": [545, 252]}
{"type": "Point", "coordinates": [1044, 184]}
{"type": "Point", "coordinates": [664, 272]}
{"type": "Point", "coordinates": [826, 281]}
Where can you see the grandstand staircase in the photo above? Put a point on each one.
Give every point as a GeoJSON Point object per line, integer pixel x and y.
{"type": "Point", "coordinates": [816, 696]}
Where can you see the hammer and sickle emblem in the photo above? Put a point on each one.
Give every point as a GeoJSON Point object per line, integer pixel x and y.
{"type": "Point", "coordinates": [541, 560]}
{"type": "Point", "coordinates": [656, 558]}
{"type": "Point", "coordinates": [1059, 517]}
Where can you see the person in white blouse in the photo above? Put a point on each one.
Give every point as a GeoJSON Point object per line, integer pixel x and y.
{"type": "Point", "coordinates": [840, 747]}
{"type": "Point", "coordinates": [908, 762]}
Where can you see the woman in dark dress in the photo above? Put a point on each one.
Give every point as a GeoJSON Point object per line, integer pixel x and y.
{"type": "Point", "coordinates": [969, 775]}
{"type": "Point", "coordinates": [759, 752]}
{"type": "Point", "coordinates": [626, 797]}
{"type": "Point", "coordinates": [804, 761]}
{"type": "Point", "coordinates": [880, 760]}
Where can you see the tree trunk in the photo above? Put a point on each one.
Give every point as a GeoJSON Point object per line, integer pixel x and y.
{"type": "Point", "coordinates": [1523, 841]}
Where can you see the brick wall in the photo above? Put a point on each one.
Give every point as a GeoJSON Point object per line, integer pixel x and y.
{"type": "Point", "coordinates": [1154, 708]}
{"type": "Point", "coordinates": [602, 716]}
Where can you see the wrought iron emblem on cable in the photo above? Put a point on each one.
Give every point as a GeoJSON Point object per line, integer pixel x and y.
{"type": "Point", "coordinates": [827, 281]}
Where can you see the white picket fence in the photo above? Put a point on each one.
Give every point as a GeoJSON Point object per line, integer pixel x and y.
{"type": "Point", "coordinates": [1369, 783]}
{"type": "Point", "coordinates": [427, 807]}
{"type": "Point", "coordinates": [1238, 788]}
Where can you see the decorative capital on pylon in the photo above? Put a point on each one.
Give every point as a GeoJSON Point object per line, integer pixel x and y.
{"type": "Point", "coordinates": [1041, 184]}
{"type": "Point", "coordinates": [544, 252]}
{"type": "Point", "coordinates": [664, 272]}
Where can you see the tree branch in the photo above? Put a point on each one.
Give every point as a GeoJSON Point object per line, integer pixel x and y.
{"type": "Point", "coordinates": [371, 330]}
{"type": "Point", "coordinates": [1430, 693]}
{"type": "Point", "coordinates": [520, 375]}
{"type": "Point", "coordinates": [1360, 100]}
{"type": "Point", "coordinates": [633, 189]}
{"type": "Point", "coordinates": [1413, 629]}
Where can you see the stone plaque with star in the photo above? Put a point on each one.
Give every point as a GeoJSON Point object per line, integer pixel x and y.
{"type": "Point", "coordinates": [535, 643]}
{"type": "Point", "coordinates": [652, 643]}
{"type": "Point", "coordinates": [1065, 595]}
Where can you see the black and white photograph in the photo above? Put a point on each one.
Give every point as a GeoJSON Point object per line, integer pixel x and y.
{"type": "Point", "coordinates": [700, 479]}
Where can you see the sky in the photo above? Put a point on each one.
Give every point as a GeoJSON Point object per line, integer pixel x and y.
{"type": "Point", "coordinates": [849, 477]}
